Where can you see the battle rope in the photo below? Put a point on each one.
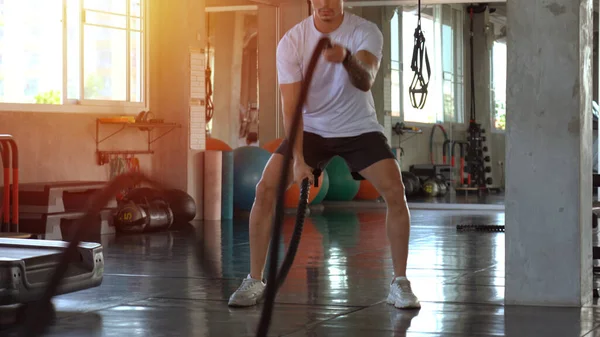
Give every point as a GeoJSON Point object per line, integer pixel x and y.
{"type": "Point", "coordinates": [272, 282]}
{"type": "Point", "coordinates": [295, 240]}
{"type": "Point", "coordinates": [419, 85]}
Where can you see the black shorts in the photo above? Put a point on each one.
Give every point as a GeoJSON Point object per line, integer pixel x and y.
{"type": "Point", "coordinates": [359, 152]}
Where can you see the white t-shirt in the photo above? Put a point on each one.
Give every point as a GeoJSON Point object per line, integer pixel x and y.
{"type": "Point", "coordinates": [334, 107]}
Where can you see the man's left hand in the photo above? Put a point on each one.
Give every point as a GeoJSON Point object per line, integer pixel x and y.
{"type": "Point", "coordinates": [335, 54]}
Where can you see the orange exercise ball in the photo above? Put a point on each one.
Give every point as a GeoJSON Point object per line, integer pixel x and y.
{"type": "Point", "coordinates": [366, 191]}
{"type": "Point", "coordinates": [292, 195]}
{"type": "Point", "coordinates": [272, 145]}
{"type": "Point", "coordinates": [214, 144]}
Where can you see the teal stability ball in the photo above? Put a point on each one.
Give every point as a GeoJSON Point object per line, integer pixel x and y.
{"type": "Point", "coordinates": [342, 186]}
{"type": "Point", "coordinates": [248, 165]}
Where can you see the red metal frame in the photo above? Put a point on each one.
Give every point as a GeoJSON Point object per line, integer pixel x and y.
{"type": "Point", "coordinates": [8, 147]}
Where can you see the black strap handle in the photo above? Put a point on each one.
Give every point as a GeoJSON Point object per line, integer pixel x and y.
{"type": "Point", "coordinates": [419, 86]}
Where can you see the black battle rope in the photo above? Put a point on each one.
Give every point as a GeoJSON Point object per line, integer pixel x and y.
{"type": "Point", "coordinates": [37, 317]}
{"type": "Point", "coordinates": [419, 85]}
{"type": "Point", "coordinates": [295, 240]}
{"type": "Point", "coordinates": [272, 282]}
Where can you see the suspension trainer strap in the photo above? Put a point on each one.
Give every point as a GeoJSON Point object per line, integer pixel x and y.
{"type": "Point", "coordinates": [472, 10]}
{"type": "Point", "coordinates": [473, 114]}
{"type": "Point", "coordinates": [418, 87]}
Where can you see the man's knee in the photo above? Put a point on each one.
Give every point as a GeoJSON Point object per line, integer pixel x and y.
{"type": "Point", "coordinates": [265, 189]}
{"type": "Point", "coordinates": [394, 195]}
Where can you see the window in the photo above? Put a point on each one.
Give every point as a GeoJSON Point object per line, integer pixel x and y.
{"type": "Point", "coordinates": [498, 86]}
{"type": "Point", "coordinates": [73, 52]}
{"type": "Point", "coordinates": [442, 26]}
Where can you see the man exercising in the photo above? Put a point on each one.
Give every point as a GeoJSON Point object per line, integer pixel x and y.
{"type": "Point", "coordinates": [339, 119]}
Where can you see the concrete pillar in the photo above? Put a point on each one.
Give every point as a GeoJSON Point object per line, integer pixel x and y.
{"type": "Point", "coordinates": [268, 37]}
{"type": "Point", "coordinates": [174, 28]}
{"type": "Point", "coordinates": [224, 32]}
{"type": "Point", "coordinates": [381, 16]}
{"type": "Point", "coordinates": [249, 78]}
{"type": "Point", "coordinates": [169, 86]}
{"type": "Point", "coordinates": [273, 23]}
{"type": "Point", "coordinates": [595, 58]}
{"type": "Point", "coordinates": [236, 78]}
{"type": "Point", "coordinates": [291, 13]}
{"type": "Point", "coordinates": [549, 153]}
{"type": "Point", "coordinates": [253, 71]}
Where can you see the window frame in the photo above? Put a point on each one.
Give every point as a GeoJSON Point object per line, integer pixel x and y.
{"type": "Point", "coordinates": [437, 63]}
{"type": "Point", "coordinates": [87, 106]}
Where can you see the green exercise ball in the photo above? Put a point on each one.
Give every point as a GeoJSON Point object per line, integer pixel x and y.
{"type": "Point", "coordinates": [342, 186]}
{"type": "Point", "coordinates": [323, 191]}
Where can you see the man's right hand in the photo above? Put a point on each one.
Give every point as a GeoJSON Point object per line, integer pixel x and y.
{"type": "Point", "coordinates": [301, 171]}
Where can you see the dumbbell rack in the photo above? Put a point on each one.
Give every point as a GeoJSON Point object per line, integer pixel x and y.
{"type": "Point", "coordinates": [476, 168]}
{"type": "Point", "coordinates": [476, 158]}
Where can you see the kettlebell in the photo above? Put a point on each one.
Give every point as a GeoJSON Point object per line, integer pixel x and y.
{"type": "Point", "coordinates": [442, 188]}
{"type": "Point", "coordinates": [431, 187]}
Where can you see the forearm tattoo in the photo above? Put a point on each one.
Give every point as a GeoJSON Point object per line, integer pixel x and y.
{"type": "Point", "coordinates": [360, 74]}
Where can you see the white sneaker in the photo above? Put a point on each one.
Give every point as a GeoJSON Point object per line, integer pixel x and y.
{"type": "Point", "coordinates": [401, 295]}
{"type": "Point", "coordinates": [248, 294]}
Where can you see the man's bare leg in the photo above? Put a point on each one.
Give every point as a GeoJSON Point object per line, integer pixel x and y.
{"type": "Point", "coordinates": [261, 215]}
{"type": "Point", "coordinates": [261, 222]}
{"type": "Point", "coordinates": [386, 177]}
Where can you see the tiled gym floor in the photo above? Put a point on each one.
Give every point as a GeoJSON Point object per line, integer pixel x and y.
{"type": "Point", "coordinates": [153, 286]}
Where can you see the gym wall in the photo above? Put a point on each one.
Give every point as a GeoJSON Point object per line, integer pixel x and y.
{"type": "Point", "coordinates": [60, 146]}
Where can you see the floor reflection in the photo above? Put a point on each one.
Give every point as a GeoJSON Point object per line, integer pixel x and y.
{"type": "Point", "coordinates": [177, 283]}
